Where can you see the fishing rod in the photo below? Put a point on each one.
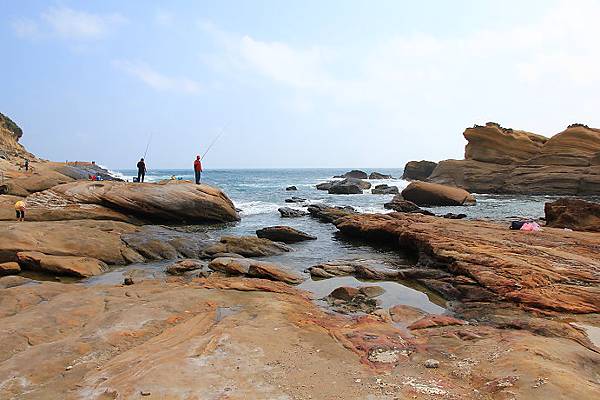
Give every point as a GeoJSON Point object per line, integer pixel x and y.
{"type": "Point", "coordinates": [215, 140]}
{"type": "Point", "coordinates": [148, 145]}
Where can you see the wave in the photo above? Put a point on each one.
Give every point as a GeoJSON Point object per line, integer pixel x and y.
{"type": "Point", "coordinates": [256, 207]}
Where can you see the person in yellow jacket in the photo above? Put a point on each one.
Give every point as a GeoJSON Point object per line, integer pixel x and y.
{"type": "Point", "coordinates": [20, 210]}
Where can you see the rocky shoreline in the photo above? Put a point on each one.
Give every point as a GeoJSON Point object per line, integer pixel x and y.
{"type": "Point", "coordinates": [224, 320]}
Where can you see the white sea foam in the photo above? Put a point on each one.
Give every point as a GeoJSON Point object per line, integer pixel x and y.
{"type": "Point", "coordinates": [256, 207]}
{"type": "Point", "coordinates": [114, 174]}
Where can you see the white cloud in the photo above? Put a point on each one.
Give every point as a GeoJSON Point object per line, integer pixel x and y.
{"type": "Point", "coordinates": [157, 80]}
{"type": "Point", "coordinates": [68, 23]}
{"type": "Point", "coordinates": [25, 28]}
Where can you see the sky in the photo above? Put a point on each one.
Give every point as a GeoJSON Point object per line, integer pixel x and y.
{"type": "Point", "coordinates": [336, 83]}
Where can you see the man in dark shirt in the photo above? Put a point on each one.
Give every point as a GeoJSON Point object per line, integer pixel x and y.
{"type": "Point", "coordinates": [141, 166]}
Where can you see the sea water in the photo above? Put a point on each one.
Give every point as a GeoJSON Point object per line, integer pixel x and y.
{"type": "Point", "coordinates": [259, 193]}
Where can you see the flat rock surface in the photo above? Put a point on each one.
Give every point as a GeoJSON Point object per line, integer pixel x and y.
{"type": "Point", "coordinates": [239, 338]}
{"type": "Point", "coordinates": [247, 246]}
{"type": "Point", "coordinates": [254, 268]}
{"type": "Point", "coordinates": [551, 269]}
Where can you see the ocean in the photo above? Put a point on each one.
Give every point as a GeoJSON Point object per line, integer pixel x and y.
{"type": "Point", "coordinates": [258, 193]}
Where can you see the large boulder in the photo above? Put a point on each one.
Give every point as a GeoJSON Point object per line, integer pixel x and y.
{"type": "Point", "coordinates": [81, 267]}
{"type": "Point", "coordinates": [324, 185]}
{"type": "Point", "coordinates": [494, 144]}
{"type": "Point", "coordinates": [255, 269]}
{"type": "Point", "coordinates": [432, 194]}
{"type": "Point", "coordinates": [349, 186]}
{"type": "Point", "coordinates": [576, 214]}
{"type": "Point", "coordinates": [400, 205]}
{"type": "Point", "coordinates": [385, 189]}
{"type": "Point", "coordinates": [283, 234]}
{"type": "Point", "coordinates": [170, 201]}
{"type": "Point", "coordinates": [418, 170]}
{"type": "Point", "coordinates": [247, 246]}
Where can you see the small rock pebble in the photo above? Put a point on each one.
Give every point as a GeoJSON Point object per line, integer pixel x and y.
{"type": "Point", "coordinates": [431, 363]}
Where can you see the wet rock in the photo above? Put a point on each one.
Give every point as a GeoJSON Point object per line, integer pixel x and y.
{"type": "Point", "coordinates": [371, 291]}
{"type": "Point", "coordinates": [454, 216]}
{"type": "Point", "coordinates": [349, 186]}
{"type": "Point", "coordinates": [328, 213]}
{"type": "Point", "coordinates": [431, 363]}
{"type": "Point", "coordinates": [183, 266]}
{"type": "Point", "coordinates": [431, 194]}
{"type": "Point", "coordinates": [156, 242]}
{"type": "Point", "coordinates": [385, 189]}
{"type": "Point", "coordinates": [9, 268]}
{"type": "Point", "coordinates": [81, 267]}
{"type": "Point", "coordinates": [247, 246]}
{"type": "Point", "coordinates": [357, 174]}
{"type": "Point", "coordinates": [575, 214]}
{"type": "Point", "coordinates": [345, 293]}
{"type": "Point", "coordinates": [377, 175]}
{"type": "Point", "coordinates": [295, 200]}
{"type": "Point", "coordinates": [284, 234]}
{"type": "Point", "coordinates": [435, 321]}
{"type": "Point", "coordinates": [405, 314]}
{"type": "Point", "coordinates": [357, 269]}
{"type": "Point", "coordinates": [418, 170]}
{"type": "Point", "coordinates": [324, 185]}
{"type": "Point", "coordinates": [256, 269]}
{"type": "Point", "coordinates": [291, 188]}
{"type": "Point", "coordinates": [346, 299]}
{"type": "Point", "coordinates": [287, 212]}
{"type": "Point", "coordinates": [128, 281]}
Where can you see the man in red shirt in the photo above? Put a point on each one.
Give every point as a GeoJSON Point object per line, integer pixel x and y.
{"type": "Point", "coordinates": [198, 169]}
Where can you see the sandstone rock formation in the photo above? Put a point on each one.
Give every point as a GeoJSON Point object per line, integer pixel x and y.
{"type": "Point", "coordinates": [399, 204]}
{"type": "Point", "coordinates": [499, 160]}
{"type": "Point", "coordinates": [254, 268]}
{"type": "Point", "coordinates": [81, 267]}
{"type": "Point", "coordinates": [283, 234]}
{"type": "Point", "coordinates": [247, 246]}
{"type": "Point", "coordinates": [431, 194]}
{"type": "Point", "coordinates": [548, 270]}
{"type": "Point", "coordinates": [576, 214]}
{"type": "Point", "coordinates": [171, 201]}
{"type": "Point", "coordinates": [355, 173]}
{"type": "Point", "coordinates": [418, 170]}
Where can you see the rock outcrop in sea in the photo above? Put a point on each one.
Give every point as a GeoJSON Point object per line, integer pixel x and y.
{"type": "Point", "coordinates": [503, 160]}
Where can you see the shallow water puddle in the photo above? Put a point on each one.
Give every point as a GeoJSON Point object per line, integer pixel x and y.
{"type": "Point", "coordinates": [395, 293]}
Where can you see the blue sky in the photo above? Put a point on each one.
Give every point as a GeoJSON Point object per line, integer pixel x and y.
{"type": "Point", "coordinates": [298, 84]}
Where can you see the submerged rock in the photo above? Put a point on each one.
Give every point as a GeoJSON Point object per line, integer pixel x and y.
{"type": "Point", "coordinates": [287, 212]}
{"type": "Point", "coordinates": [291, 188]}
{"type": "Point", "coordinates": [295, 200]}
{"type": "Point", "coordinates": [432, 194]}
{"type": "Point", "coordinates": [418, 170]}
{"type": "Point", "coordinates": [347, 299]}
{"type": "Point", "coordinates": [256, 269]}
{"type": "Point", "coordinates": [576, 214]}
{"type": "Point", "coordinates": [454, 216]}
{"type": "Point", "coordinates": [247, 246]}
{"type": "Point", "coordinates": [283, 234]}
